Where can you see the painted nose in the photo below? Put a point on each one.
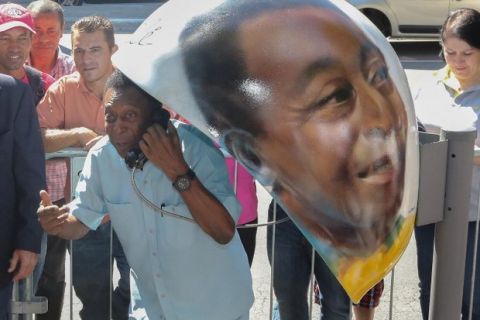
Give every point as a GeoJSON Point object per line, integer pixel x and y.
{"type": "Point", "coordinates": [377, 118]}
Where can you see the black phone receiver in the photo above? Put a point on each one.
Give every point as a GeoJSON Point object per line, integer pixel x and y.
{"type": "Point", "coordinates": [135, 157]}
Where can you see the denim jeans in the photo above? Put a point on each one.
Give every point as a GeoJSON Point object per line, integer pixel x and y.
{"type": "Point", "coordinates": [5, 296]}
{"type": "Point", "coordinates": [293, 256]}
{"type": "Point", "coordinates": [92, 277]}
{"type": "Point", "coordinates": [424, 237]}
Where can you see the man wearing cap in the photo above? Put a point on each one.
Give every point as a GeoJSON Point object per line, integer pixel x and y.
{"type": "Point", "coordinates": [47, 56]}
{"type": "Point", "coordinates": [22, 173]}
{"type": "Point", "coordinates": [16, 31]}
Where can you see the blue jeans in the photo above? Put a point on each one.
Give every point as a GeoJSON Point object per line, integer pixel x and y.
{"type": "Point", "coordinates": [424, 237]}
{"type": "Point", "coordinates": [293, 256]}
{"type": "Point", "coordinates": [5, 296]}
{"type": "Point", "coordinates": [92, 277]}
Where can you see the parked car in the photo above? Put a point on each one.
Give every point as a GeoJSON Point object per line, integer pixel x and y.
{"type": "Point", "coordinates": [70, 2]}
{"type": "Point", "coordinates": [410, 18]}
{"type": "Point", "coordinates": [80, 2]}
{"type": "Point", "coordinates": [121, 1]}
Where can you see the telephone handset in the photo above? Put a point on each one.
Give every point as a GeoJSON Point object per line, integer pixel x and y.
{"type": "Point", "coordinates": [135, 157]}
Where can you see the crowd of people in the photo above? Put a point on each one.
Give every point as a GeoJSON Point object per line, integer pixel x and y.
{"type": "Point", "coordinates": [187, 200]}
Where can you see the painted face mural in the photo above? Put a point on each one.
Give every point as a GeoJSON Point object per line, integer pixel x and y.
{"type": "Point", "coordinates": [309, 97]}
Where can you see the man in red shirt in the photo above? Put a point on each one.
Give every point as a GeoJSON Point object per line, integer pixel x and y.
{"type": "Point", "coordinates": [16, 32]}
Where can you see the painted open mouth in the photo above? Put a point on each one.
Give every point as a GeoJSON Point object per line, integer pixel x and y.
{"type": "Point", "coordinates": [379, 171]}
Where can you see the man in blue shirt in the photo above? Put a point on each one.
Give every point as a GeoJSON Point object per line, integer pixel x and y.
{"type": "Point", "coordinates": [22, 172]}
{"type": "Point", "coordinates": [174, 215]}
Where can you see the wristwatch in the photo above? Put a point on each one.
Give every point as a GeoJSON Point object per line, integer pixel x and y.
{"type": "Point", "coordinates": [183, 182]}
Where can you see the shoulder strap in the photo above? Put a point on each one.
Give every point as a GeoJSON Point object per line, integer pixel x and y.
{"type": "Point", "coordinates": [36, 83]}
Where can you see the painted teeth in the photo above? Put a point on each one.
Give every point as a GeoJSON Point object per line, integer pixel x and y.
{"type": "Point", "coordinates": [380, 164]}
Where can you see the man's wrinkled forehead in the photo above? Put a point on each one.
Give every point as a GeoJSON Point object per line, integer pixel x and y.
{"type": "Point", "coordinates": [123, 95]}
{"type": "Point", "coordinates": [16, 30]}
{"type": "Point", "coordinates": [86, 40]}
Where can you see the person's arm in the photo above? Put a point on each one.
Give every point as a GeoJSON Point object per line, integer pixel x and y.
{"type": "Point", "coordinates": [29, 172]}
{"type": "Point", "coordinates": [57, 139]}
{"type": "Point", "coordinates": [58, 221]}
{"type": "Point", "coordinates": [51, 115]}
{"type": "Point", "coordinates": [165, 152]}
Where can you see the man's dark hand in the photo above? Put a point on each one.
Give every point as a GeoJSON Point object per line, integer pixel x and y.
{"type": "Point", "coordinates": [50, 216]}
{"type": "Point", "coordinates": [164, 150]}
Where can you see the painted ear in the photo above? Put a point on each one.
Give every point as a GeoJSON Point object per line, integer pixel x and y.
{"type": "Point", "coordinates": [242, 145]}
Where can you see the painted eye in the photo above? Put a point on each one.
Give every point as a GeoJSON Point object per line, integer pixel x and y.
{"type": "Point", "coordinates": [339, 95]}
{"type": "Point", "coordinates": [379, 77]}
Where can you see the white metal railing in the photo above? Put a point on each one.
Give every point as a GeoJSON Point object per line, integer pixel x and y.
{"type": "Point", "coordinates": [29, 304]}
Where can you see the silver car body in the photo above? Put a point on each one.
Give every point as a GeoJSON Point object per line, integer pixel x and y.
{"type": "Point", "coordinates": [410, 18]}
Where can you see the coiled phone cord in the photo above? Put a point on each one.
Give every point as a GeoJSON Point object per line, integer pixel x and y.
{"type": "Point", "coordinates": [163, 212]}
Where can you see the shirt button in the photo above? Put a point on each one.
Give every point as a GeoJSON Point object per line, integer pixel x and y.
{"type": "Point", "coordinates": [154, 254]}
{"type": "Point", "coordinates": [150, 231]}
{"type": "Point", "coordinates": [162, 295]}
{"type": "Point", "coordinates": [157, 275]}
{"type": "Point", "coordinates": [145, 182]}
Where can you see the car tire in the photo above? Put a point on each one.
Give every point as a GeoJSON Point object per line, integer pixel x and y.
{"type": "Point", "coordinates": [380, 21]}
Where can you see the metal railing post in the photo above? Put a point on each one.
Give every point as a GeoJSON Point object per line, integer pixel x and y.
{"type": "Point", "coordinates": [272, 274]}
{"type": "Point", "coordinates": [451, 233]}
{"type": "Point", "coordinates": [312, 283]}
{"type": "Point", "coordinates": [24, 304]}
{"type": "Point", "coordinates": [76, 157]}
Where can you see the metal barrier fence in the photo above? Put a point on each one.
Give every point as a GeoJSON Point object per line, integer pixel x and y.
{"type": "Point", "coordinates": [443, 199]}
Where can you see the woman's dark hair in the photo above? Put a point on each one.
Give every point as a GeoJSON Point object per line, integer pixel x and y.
{"type": "Point", "coordinates": [463, 24]}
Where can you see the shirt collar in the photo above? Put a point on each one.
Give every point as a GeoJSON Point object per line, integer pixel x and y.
{"type": "Point", "coordinates": [446, 77]}
{"type": "Point", "coordinates": [81, 84]}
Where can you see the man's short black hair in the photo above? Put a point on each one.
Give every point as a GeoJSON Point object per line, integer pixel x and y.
{"type": "Point", "coordinates": [119, 82]}
{"type": "Point", "coordinates": [215, 64]}
{"type": "Point", "coordinates": [91, 24]}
